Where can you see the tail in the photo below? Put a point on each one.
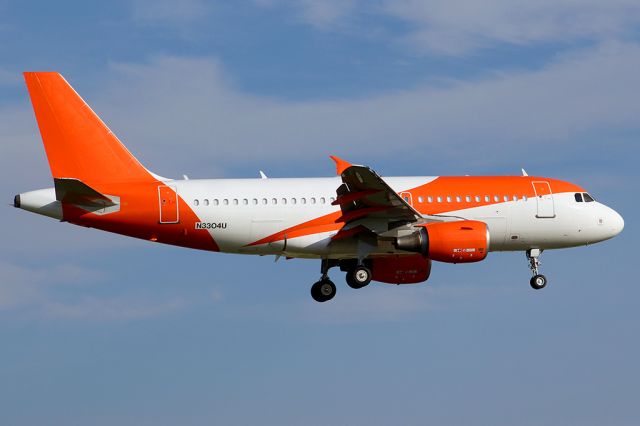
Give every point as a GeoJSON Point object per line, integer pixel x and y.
{"type": "Point", "coordinates": [78, 144]}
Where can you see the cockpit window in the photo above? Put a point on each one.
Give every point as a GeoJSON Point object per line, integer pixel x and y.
{"type": "Point", "coordinates": [587, 198]}
{"type": "Point", "coordinates": [578, 197]}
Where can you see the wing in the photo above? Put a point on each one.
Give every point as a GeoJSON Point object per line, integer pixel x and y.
{"type": "Point", "coordinates": [368, 202]}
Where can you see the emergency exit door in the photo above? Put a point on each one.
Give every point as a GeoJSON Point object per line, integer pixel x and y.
{"type": "Point", "coordinates": [544, 199]}
{"type": "Point", "coordinates": [168, 199]}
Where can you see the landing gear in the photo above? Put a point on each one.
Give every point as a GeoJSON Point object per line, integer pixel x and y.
{"type": "Point", "coordinates": [359, 277]}
{"type": "Point", "coordinates": [538, 281]}
{"type": "Point", "coordinates": [325, 289]}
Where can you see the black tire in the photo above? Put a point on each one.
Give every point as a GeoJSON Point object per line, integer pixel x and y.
{"type": "Point", "coordinates": [323, 291]}
{"type": "Point", "coordinates": [350, 282]}
{"type": "Point", "coordinates": [360, 276]}
{"type": "Point", "coordinates": [538, 282]}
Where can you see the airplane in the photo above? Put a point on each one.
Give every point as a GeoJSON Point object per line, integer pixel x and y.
{"type": "Point", "coordinates": [373, 228]}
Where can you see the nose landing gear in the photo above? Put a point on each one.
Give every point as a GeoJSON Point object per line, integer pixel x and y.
{"type": "Point", "coordinates": [538, 281]}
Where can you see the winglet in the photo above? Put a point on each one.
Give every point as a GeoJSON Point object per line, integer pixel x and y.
{"type": "Point", "coordinates": [341, 165]}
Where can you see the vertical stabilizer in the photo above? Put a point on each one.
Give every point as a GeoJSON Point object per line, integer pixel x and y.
{"type": "Point", "coordinates": [78, 144]}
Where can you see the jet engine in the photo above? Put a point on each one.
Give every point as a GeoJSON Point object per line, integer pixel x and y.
{"type": "Point", "coordinates": [461, 241]}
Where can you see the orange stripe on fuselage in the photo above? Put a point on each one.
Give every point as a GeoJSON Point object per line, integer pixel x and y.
{"type": "Point", "coordinates": [443, 186]}
{"type": "Point", "coordinates": [318, 225]}
{"type": "Point", "coordinates": [139, 217]}
{"type": "Point", "coordinates": [482, 186]}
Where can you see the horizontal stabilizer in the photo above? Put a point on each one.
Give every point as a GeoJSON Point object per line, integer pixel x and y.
{"type": "Point", "coordinates": [74, 191]}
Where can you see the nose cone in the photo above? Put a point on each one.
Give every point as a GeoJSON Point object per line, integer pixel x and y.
{"type": "Point", "coordinates": [616, 223]}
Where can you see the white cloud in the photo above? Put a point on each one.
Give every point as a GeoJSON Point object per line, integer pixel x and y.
{"type": "Point", "coordinates": [322, 14]}
{"type": "Point", "coordinates": [183, 114]}
{"type": "Point", "coordinates": [111, 309]}
{"type": "Point", "coordinates": [8, 78]}
{"type": "Point", "coordinates": [325, 13]}
{"type": "Point", "coordinates": [40, 293]}
{"type": "Point", "coordinates": [168, 11]}
{"type": "Point", "coordinates": [462, 26]}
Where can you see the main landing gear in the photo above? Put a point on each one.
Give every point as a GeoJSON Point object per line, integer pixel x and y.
{"type": "Point", "coordinates": [538, 281]}
{"type": "Point", "coordinates": [358, 276]}
{"type": "Point", "coordinates": [325, 289]}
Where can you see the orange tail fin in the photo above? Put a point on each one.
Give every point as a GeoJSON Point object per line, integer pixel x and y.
{"type": "Point", "coordinates": [78, 144]}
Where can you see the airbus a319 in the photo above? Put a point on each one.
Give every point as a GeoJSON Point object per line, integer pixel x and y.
{"type": "Point", "coordinates": [387, 229]}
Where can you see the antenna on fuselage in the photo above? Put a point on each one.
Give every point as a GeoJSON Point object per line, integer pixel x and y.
{"type": "Point", "coordinates": [524, 172]}
{"type": "Point", "coordinates": [262, 175]}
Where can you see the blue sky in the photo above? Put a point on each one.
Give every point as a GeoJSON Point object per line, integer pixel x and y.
{"type": "Point", "coordinates": [100, 329]}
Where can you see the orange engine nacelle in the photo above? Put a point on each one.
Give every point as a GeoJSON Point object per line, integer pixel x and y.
{"type": "Point", "coordinates": [401, 269]}
{"type": "Point", "coordinates": [461, 241]}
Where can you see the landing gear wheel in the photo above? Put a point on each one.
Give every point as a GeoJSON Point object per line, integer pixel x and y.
{"type": "Point", "coordinates": [359, 277]}
{"type": "Point", "coordinates": [323, 290]}
{"type": "Point", "coordinates": [538, 282]}
{"type": "Point", "coordinates": [350, 281]}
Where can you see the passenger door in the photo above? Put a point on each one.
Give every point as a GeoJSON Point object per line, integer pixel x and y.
{"type": "Point", "coordinates": [544, 199]}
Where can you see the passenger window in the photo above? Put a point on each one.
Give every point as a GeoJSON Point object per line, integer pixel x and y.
{"type": "Point", "coordinates": [332, 199]}
{"type": "Point", "coordinates": [322, 200]}
{"type": "Point", "coordinates": [284, 201]}
{"type": "Point", "coordinates": [225, 202]}
{"type": "Point", "coordinates": [430, 199]}
{"type": "Point", "coordinates": [264, 201]}
{"type": "Point", "coordinates": [206, 201]}
{"type": "Point", "coordinates": [448, 198]}
{"type": "Point", "coordinates": [420, 199]}
{"type": "Point", "coordinates": [312, 200]}
{"type": "Point", "coordinates": [468, 198]}
{"type": "Point", "coordinates": [458, 199]}
{"type": "Point", "coordinates": [578, 197]}
{"type": "Point", "coordinates": [245, 201]}
{"type": "Point", "coordinates": [215, 202]}
{"type": "Point", "coordinates": [439, 199]}
{"type": "Point", "coordinates": [303, 200]}
{"type": "Point", "coordinates": [524, 198]}
{"type": "Point", "coordinates": [506, 198]}
{"type": "Point", "coordinates": [477, 198]}
{"type": "Point", "coordinates": [293, 201]}
{"type": "Point", "coordinates": [515, 198]}
{"type": "Point", "coordinates": [254, 201]}
{"type": "Point", "coordinates": [487, 198]}
{"type": "Point", "coordinates": [496, 198]}
{"type": "Point", "coordinates": [587, 198]}
{"type": "Point", "coordinates": [196, 202]}
{"type": "Point", "coordinates": [274, 201]}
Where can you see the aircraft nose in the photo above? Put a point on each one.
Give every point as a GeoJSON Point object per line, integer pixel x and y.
{"type": "Point", "coordinates": [616, 222]}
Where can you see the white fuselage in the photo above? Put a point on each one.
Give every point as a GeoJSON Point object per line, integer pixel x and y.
{"type": "Point", "coordinates": [247, 210]}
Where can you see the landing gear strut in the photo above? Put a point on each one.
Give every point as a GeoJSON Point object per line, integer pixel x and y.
{"type": "Point", "coordinates": [538, 281]}
{"type": "Point", "coordinates": [325, 289]}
